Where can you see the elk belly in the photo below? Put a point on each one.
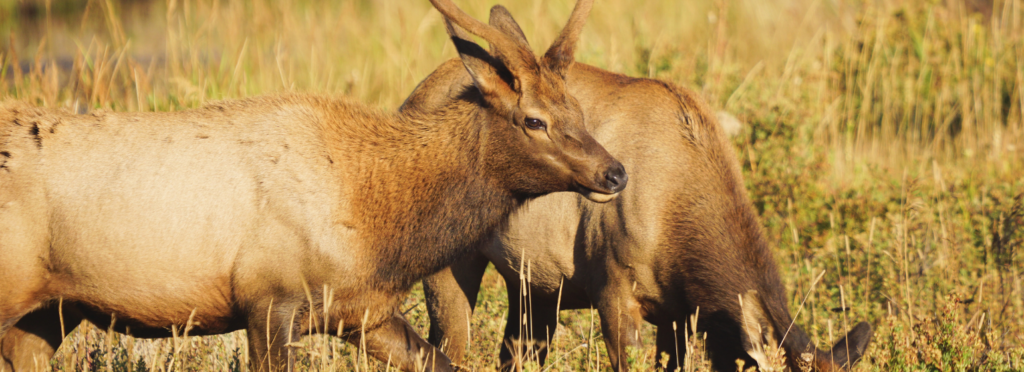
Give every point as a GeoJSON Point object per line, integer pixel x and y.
{"type": "Point", "coordinates": [150, 244]}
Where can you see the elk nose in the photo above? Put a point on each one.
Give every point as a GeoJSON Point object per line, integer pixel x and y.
{"type": "Point", "coordinates": [616, 178]}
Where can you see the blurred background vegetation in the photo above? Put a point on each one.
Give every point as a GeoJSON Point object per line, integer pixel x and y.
{"type": "Point", "coordinates": [881, 141]}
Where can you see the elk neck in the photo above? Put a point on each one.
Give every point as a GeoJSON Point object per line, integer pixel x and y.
{"type": "Point", "coordinates": [762, 272]}
{"type": "Point", "coordinates": [713, 222]}
{"type": "Point", "coordinates": [423, 198]}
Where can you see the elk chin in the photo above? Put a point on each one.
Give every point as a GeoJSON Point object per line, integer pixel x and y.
{"type": "Point", "coordinates": [598, 197]}
{"type": "Point", "coordinates": [596, 193]}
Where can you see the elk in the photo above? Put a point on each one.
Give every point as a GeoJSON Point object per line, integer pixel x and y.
{"type": "Point", "coordinates": [280, 215]}
{"type": "Point", "coordinates": [684, 236]}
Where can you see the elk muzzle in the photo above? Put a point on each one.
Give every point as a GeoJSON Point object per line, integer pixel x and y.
{"type": "Point", "coordinates": [607, 184]}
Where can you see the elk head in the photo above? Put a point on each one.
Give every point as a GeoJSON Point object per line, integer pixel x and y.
{"type": "Point", "coordinates": [758, 331]}
{"type": "Point", "coordinates": [536, 141]}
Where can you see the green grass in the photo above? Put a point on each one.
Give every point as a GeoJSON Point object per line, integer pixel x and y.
{"type": "Point", "coordinates": [882, 144]}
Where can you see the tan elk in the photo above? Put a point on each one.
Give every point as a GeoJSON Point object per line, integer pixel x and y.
{"type": "Point", "coordinates": [684, 236]}
{"type": "Point", "coordinates": [280, 215]}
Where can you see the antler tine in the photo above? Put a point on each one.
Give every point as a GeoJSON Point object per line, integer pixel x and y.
{"type": "Point", "coordinates": [561, 51]}
{"type": "Point", "coordinates": [501, 42]}
{"type": "Point", "coordinates": [576, 20]}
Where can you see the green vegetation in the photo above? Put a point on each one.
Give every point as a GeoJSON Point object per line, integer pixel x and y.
{"type": "Point", "coordinates": [883, 144]}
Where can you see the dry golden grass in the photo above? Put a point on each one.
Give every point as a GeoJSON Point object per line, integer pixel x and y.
{"type": "Point", "coordinates": [882, 143]}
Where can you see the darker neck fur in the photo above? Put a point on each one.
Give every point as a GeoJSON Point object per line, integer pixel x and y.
{"type": "Point", "coordinates": [727, 254]}
{"type": "Point", "coordinates": [427, 201]}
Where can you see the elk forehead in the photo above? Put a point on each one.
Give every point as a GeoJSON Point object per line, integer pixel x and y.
{"type": "Point", "coordinates": [550, 100]}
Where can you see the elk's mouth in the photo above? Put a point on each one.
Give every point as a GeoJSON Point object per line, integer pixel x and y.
{"type": "Point", "coordinates": [606, 186]}
{"type": "Point", "coordinates": [598, 197]}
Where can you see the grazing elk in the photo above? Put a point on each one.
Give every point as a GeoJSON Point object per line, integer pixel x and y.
{"type": "Point", "coordinates": [280, 215]}
{"type": "Point", "coordinates": [684, 236]}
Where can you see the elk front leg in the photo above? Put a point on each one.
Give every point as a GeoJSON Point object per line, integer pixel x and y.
{"type": "Point", "coordinates": [396, 341]}
{"type": "Point", "coordinates": [620, 323]}
{"type": "Point", "coordinates": [451, 298]}
{"type": "Point", "coordinates": [671, 341]}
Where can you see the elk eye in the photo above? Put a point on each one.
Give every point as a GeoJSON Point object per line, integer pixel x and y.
{"type": "Point", "coordinates": [535, 124]}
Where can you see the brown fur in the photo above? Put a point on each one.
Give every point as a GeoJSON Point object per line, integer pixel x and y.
{"type": "Point", "coordinates": [242, 214]}
{"type": "Point", "coordinates": [684, 235]}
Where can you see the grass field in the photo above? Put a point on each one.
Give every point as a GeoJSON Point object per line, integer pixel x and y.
{"type": "Point", "coordinates": [883, 144]}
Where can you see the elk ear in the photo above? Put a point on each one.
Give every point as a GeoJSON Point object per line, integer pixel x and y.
{"type": "Point", "coordinates": [502, 20]}
{"type": "Point", "coordinates": [490, 76]}
{"type": "Point", "coordinates": [508, 70]}
{"type": "Point", "coordinates": [756, 329]}
{"type": "Point", "coordinates": [561, 54]}
{"type": "Point", "coordinates": [850, 349]}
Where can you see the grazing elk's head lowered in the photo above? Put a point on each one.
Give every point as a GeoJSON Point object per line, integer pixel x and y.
{"type": "Point", "coordinates": [546, 135]}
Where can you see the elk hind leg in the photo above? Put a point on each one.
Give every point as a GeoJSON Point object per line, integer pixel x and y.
{"type": "Point", "coordinates": [32, 341]}
{"type": "Point", "coordinates": [23, 254]}
{"type": "Point", "coordinates": [396, 342]}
